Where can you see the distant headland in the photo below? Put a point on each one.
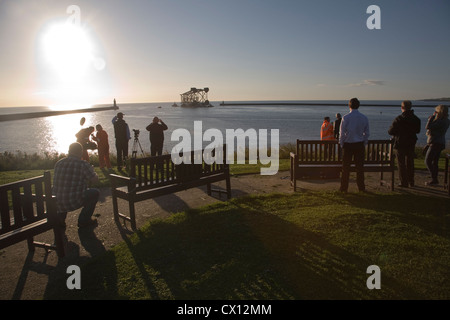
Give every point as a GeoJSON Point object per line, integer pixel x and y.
{"type": "Point", "coordinates": [438, 99]}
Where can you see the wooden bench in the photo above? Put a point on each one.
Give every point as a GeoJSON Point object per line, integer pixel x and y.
{"type": "Point", "coordinates": [316, 159]}
{"type": "Point", "coordinates": [28, 208]}
{"type": "Point", "coordinates": [151, 177]}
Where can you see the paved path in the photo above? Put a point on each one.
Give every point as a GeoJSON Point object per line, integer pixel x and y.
{"type": "Point", "coordinates": [26, 275]}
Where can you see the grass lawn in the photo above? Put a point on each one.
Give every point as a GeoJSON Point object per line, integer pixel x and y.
{"type": "Point", "coordinates": [314, 245]}
{"type": "Point", "coordinates": [235, 169]}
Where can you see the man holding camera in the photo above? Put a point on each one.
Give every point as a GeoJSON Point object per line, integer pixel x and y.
{"type": "Point", "coordinates": [156, 129]}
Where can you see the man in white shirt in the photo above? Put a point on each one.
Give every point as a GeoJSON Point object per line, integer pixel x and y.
{"type": "Point", "coordinates": [353, 137]}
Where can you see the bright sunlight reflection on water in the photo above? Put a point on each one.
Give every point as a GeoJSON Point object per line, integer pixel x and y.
{"type": "Point", "coordinates": [62, 130]}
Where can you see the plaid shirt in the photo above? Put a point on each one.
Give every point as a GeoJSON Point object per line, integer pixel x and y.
{"type": "Point", "coordinates": [70, 181]}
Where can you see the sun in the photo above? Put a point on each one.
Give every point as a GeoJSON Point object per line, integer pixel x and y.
{"type": "Point", "coordinates": [68, 50]}
{"type": "Point", "coordinates": [69, 61]}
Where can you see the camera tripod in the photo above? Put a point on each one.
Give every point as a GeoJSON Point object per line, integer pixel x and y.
{"type": "Point", "coordinates": [136, 143]}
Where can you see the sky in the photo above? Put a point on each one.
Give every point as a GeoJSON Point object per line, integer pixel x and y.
{"type": "Point", "coordinates": [154, 50]}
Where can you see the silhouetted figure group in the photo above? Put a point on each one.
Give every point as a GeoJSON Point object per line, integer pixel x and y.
{"type": "Point", "coordinates": [352, 132]}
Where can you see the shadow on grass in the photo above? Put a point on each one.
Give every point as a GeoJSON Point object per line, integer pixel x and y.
{"type": "Point", "coordinates": [236, 250]}
{"type": "Point", "coordinates": [211, 255]}
{"type": "Point", "coordinates": [315, 268]}
{"type": "Point", "coordinates": [430, 214]}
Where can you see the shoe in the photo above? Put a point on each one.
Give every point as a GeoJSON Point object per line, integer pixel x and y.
{"type": "Point", "coordinates": [88, 223]}
{"type": "Point", "coordinates": [402, 185]}
{"type": "Point", "coordinates": [432, 183]}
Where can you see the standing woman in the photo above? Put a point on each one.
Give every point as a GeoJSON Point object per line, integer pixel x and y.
{"type": "Point", "coordinates": [437, 126]}
{"type": "Point", "coordinates": [103, 147]}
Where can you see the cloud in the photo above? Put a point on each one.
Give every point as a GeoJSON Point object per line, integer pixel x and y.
{"type": "Point", "coordinates": [368, 83]}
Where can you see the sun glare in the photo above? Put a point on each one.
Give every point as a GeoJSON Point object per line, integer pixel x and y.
{"type": "Point", "coordinates": [68, 50]}
{"type": "Point", "coordinates": [69, 66]}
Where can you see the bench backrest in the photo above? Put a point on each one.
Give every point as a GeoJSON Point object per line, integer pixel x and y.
{"type": "Point", "coordinates": [25, 202]}
{"type": "Point", "coordinates": [159, 171]}
{"type": "Point", "coordinates": [329, 152]}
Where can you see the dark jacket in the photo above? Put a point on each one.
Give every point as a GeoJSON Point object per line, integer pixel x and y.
{"type": "Point", "coordinates": [156, 132]}
{"type": "Point", "coordinates": [337, 127]}
{"type": "Point", "coordinates": [121, 130]}
{"type": "Point", "coordinates": [436, 130]}
{"type": "Point", "coordinates": [404, 129]}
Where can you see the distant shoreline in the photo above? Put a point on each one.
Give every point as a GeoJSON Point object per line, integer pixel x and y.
{"type": "Point", "coordinates": [313, 104]}
{"type": "Point", "coordinates": [440, 99]}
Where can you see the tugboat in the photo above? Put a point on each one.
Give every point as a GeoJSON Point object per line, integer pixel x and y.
{"type": "Point", "coordinates": [174, 105]}
{"type": "Point", "coordinates": [195, 98]}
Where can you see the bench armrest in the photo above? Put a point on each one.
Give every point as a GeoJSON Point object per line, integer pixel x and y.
{"type": "Point", "coordinates": [117, 180]}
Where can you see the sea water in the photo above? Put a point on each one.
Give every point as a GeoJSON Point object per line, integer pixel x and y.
{"type": "Point", "coordinates": [55, 133]}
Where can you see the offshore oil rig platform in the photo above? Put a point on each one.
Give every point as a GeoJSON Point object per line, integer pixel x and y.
{"type": "Point", "coordinates": [195, 98]}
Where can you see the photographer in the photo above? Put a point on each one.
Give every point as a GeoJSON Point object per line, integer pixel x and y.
{"type": "Point", "coordinates": [437, 126]}
{"type": "Point", "coordinates": [83, 137]}
{"type": "Point", "coordinates": [156, 129]}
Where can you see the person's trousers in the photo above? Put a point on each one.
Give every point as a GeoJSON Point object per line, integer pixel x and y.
{"type": "Point", "coordinates": [103, 157]}
{"type": "Point", "coordinates": [156, 149]}
{"type": "Point", "coordinates": [405, 160]}
{"type": "Point", "coordinates": [432, 160]}
{"type": "Point", "coordinates": [356, 152]}
{"type": "Point", "coordinates": [90, 201]}
{"type": "Point", "coordinates": [122, 152]}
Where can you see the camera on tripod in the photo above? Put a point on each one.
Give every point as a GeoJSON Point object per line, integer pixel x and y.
{"type": "Point", "coordinates": [136, 144]}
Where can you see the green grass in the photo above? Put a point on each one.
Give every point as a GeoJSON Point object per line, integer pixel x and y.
{"type": "Point", "coordinates": [12, 176]}
{"type": "Point", "coordinates": [301, 246]}
{"type": "Point", "coordinates": [235, 169]}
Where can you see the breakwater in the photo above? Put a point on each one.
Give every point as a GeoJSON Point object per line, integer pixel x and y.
{"type": "Point", "coordinates": [42, 114]}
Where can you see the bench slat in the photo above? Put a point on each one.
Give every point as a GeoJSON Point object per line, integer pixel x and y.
{"type": "Point", "coordinates": [40, 209]}
{"type": "Point", "coordinates": [27, 202]}
{"type": "Point", "coordinates": [4, 211]}
{"type": "Point", "coordinates": [17, 208]}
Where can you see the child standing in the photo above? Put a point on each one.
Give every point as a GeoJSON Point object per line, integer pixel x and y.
{"type": "Point", "coordinates": [103, 147]}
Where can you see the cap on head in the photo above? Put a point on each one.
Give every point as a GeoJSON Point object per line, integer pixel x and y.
{"type": "Point", "coordinates": [120, 115]}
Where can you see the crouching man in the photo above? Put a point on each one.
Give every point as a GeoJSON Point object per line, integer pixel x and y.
{"type": "Point", "coordinates": [70, 186]}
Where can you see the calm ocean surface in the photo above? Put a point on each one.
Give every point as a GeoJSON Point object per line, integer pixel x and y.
{"type": "Point", "coordinates": [54, 134]}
